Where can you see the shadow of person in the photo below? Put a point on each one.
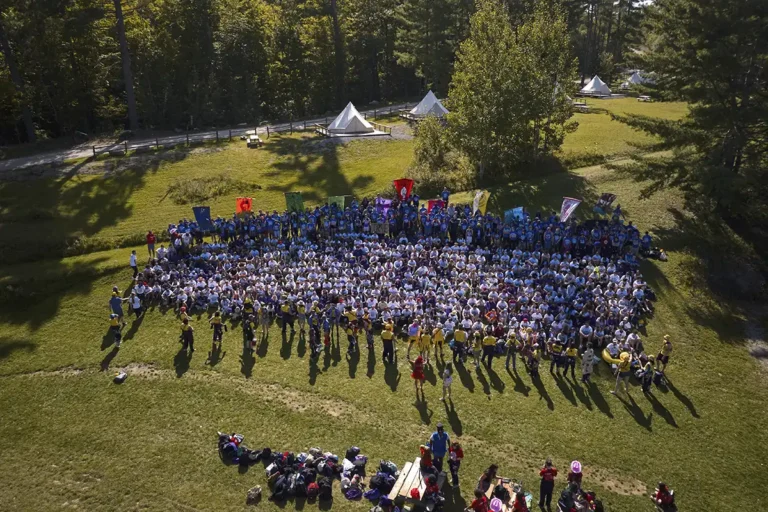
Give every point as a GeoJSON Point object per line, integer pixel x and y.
{"type": "Point", "coordinates": [285, 347]}
{"type": "Point", "coordinates": [543, 393]}
{"type": "Point", "coordinates": [496, 382]}
{"type": "Point", "coordinates": [465, 377]}
{"type": "Point", "coordinates": [181, 362]}
{"type": "Point", "coordinates": [371, 363]}
{"type": "Point", "coordinates": [683, 399]}
{"type": "Point", "coordinates": [246, 363]}
{"type": "Point", "coordinates": [352, 360]}
{"type": "Point", "coordinates": [635, 411]}
{"type": "Point", "coordinates": [581, 395]}
{"type": "Point", "coordinates": [454, 501]}
{"type": "Point", "coordinates": [215, 355]}
{"type": "Point", "coordinates": [599, 400]}
{"type": "Point", "coordinates": [660, 410]}
{"type": "Point", "coordinates": [335, 353]}
{"type": "Point", "coordinates": [429, 374]}
{"type": "Point", "coordinates": [565, 389]}
{"type": "Point", "coordinates": [520, 386]}
{"type": "Point", "coordinates": [108, 340]}
{"type": "Point", "coordinates": [453, 418]}
{"type": "Point", "coordinates": [326, 358]}
{"type": "Point", "coordinates": [425, 413]}
{"type": "Point", "coordinates": [263, 347]}
{"type": "Point", "coordinates": [108, 358]}
{"type": "Point", "coordinates": [313, 371]}
{"type": "Point", "coordinates": [483, 381]}
{"type": "Point", "coordinates": [133, 329]}
{"type": "Point", "coordinates": [301, 346]}
{"type": "Point", "coordinates": [392, 376]}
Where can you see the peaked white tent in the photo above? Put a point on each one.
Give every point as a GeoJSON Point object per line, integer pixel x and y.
{"type": "Point", "coordinates": [635, 79]}
{"type": "Point", "coordinates": [429, 106]}
{"type": "Point", "coordinates": [350, 121]}
{"type": "Point", "coordinates": [596, 87]}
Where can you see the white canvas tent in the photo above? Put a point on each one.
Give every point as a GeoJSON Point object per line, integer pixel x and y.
{"type": "Point", "coordinates": [429, 106]}
{"type": "Point", "coordinates": [596, 87]}
{"type": "Point", "coordinates": [350, 122]}
{"type": "Point", "coordinates": [635, 79]}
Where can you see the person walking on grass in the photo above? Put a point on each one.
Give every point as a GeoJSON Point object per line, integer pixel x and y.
{"type": "Point", "coordinates": [439, 443]}
{"type": "Point", "coordinates": [489, 347]}
{"type": "Point", "coordinates": [663, 358]}
{"type": "Point", "coordinates": [116, 305]}
{"type": "Point", "coordinates": [151, 239]}
{"type": "Point", "coordinates": [447, 381]}
{"type": "Point", "coordinates": [187, 336]}
{"type": "Point", "coordinates": [387, 341]}
{"type": "Point", "coordinates": [455, 456]}
{"type": "Point", "coordinates": [135, 303]}
{"type": "Point", "coordinates": [587, 363]}
{"type": "Point", "coordinates": [133, 264]}
{"type": "Point", "coordinates": [418, 376]}
{"type": "Point", "coordinates": [511, 350]}
{"type": "Point", "coordinates": [547, 486]}
{"type": "Point", "coordinates": [218, 329]}
{"type": "Point", "coordinates": [623, 374]}
{"type": "Point", "coordinates": [570, 360]}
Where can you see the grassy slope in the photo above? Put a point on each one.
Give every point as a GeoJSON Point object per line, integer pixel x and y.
{"type": "Point", "coordinates": [149, 443]}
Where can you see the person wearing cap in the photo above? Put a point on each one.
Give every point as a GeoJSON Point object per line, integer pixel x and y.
{"type": "Point", "coordinates": [489, 348]}
{"type": "Point", "coordinates": [663, 358]}
{"type": "Point", "coordinates": [547, 485]}
{"type": "Point", "coordinates": [439, 442]}
{"type": "Point", "coordinates": [511, 350]}
{"type": "Point", "coordinates": [574, 475]}
{"type": "Point", "coordinates": [438, 339]}
{"type": "Point", "coordinates": [459, 339]}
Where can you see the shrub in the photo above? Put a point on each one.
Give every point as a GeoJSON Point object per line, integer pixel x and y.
{"type": "Point", "coordinates": [197, 190]}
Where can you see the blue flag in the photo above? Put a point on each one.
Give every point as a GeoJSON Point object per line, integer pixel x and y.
{"type": "Point", "coordinates": [203, 217]}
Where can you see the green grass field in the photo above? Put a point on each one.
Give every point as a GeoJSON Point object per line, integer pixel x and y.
{"type": "Point", "coordinates": [70, 439]}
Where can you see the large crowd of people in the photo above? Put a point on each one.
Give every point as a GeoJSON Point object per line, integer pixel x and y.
{"type": "Point", "coordinates": [443, 277]}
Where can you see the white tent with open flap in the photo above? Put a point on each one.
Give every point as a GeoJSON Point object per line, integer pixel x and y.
{"type": "Point", "coordinates": [349, 122]}
{"type": "Point", "coordinates": [596, 87]}
{"type": "Point", "coordinates": [429, 106]}
{"type": "Point", "coordinates": [635, 79]}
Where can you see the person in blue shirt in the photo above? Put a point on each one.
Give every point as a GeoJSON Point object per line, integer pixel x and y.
{"type": "Point", "coordinates": [444, 195]}
{"type": "Point", "coordinates": [439, 443]}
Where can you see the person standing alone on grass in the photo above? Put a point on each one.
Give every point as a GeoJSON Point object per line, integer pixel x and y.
{"type": "Point", "coordinates": [439, 443]}
{"type": "Point", "coordinates": [151, 239]}
{"type": "Point", "coordinates": [547, 474]}
{"type": "Point", "coordinates": [133, 264]}
{"type": "Point", "coordinates": [663, 358]}
{"type": "Point", "coordinates": [387, 339]}
{"type": "Point", "coordinates": [489, 346]}
{"type": "Point", "coordinates": [587, 362]}
{"type": "Point", "coordinates": [187, 336]}
{"type": "Point", "coordinates": [447, 381]}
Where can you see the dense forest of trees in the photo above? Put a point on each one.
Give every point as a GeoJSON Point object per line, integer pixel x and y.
{"type": "Point", "coordinates": [105, 65]}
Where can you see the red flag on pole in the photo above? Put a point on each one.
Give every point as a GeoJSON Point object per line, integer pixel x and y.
{"type": "Point", "coordinates": [403, 188]}
{"type": "Point", "coordinates": [243, 204]}
{"type": "Point", "coordinates": [435, 202]}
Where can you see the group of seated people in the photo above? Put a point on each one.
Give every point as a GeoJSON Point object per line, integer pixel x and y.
{"type": "Point", "coordinates": [536, 280]}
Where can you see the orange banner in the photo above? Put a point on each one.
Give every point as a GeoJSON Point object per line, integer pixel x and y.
{"type": "Point", "coordinates": [243, 204]}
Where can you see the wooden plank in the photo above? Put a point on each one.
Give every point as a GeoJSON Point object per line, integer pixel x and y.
{"type": "Point", "coordinates": [400, 480]}
{"type": "Point", "coordinates": [412, 479]}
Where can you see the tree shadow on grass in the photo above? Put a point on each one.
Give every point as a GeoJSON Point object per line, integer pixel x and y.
{"type": "Point", "coordinates": [314, 168]}
{"type": "Point", "coordinates": [9, 345]}
{"type": "Point", "coordinates": [68, 209]}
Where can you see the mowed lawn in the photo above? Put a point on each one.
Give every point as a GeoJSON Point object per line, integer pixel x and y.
{"type": "Point", "coordinates": [72, 439]}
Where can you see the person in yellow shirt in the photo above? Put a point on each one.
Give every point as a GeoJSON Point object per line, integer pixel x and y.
{"type": "Point", "coordinates": [114, 327]}
{"type": "Point", "coordinates": [218, 329]}
{"type": "Point", "coordinates": [459, 345]}
{"type": "Point", "coordinates": [425, 344]}
{"type": "Point", "coordinates": [187, 336]}
{"type": "Point", "coordinates": [388, 341]}
{"type": "Point", "coordinates": [301, 314]}
{"type": "Point", "coordinates": [663, 358]}
{"type": "Point", "coordinates": [556, 354]}
{"type": "Point", "coordinates": [438, 338]}
{"type": "Point", "coordinates": [489, 348]}
{"type": "Point", "coordinates": [286, 313]}
{"type": "Point", "coordinates": [351, 331]}
{"type": "Point", "coordinates": [511, 350]}
{"type": "Point", "coordinates": [570, 359]}
{"type": "Point", "coordinates": [477, 348]}
{"type": "Point", "coordinates": [534, 359]}
{"type": "Point", "coordinates": [625, 371]}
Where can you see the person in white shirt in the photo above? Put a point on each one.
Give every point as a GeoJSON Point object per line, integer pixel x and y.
{"type": "Point", "coordinates": [133, 264]}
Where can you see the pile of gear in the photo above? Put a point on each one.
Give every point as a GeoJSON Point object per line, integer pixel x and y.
{"type": "Point", "coordinates": [310, 475]}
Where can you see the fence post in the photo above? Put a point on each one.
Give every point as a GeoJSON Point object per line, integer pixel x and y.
{"type": "Point", "coordinates": [305, 125]}
{"type": "Point", "coordinates": [230, 135]}
{"type": "Point", "coordinates": [326, 121]}
{"type": "Point", "coordinates": [375, 114]}
{"type": "Point", "coordinates": [94, 150]}
{"type": "Point", "coordinates": [390, 110]}
{"type": "Point", "coordinates": [291, 127]}
{"type": "Point", "coordinates": [126, 147]}
{"type": "Point", "coordinates": [217, 135]}
{"type": "Point", "coordinates": [267, 131]}
{"type": "Point", "coordinates": [157, 143]}
{"type": "Point", "coordinates": [187, 138]}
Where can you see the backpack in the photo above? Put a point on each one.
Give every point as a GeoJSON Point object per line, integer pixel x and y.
{"type": "Point", "coordinates": [299, 486]}
{"type": "Point", "coordinates": [501, 492]}
{"type": "Point", "coordinates": [352, 452]}
{"type": "Point", "coordinates": [389, 467]}
{"type": "Point", "coordinates": [313, 490]}
{"type": "Point", "coordinates": [377, 482]}
{"type": "Point", "coordinates": [326, 489]}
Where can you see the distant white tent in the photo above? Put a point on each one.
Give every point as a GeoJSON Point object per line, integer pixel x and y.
{"type": "Point", "coordinates": [350, 121]}
{"type": "Point", "coordinates": [429, 106]}
{"type": "Point", "coordinates": [596, 87]}
{"type": "Point", "coordinates": [636, 79]}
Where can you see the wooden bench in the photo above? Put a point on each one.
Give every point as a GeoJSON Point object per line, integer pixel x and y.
{"type": "Point", "coordinates": [411, 476]}
{"type": "Point", "coordinates": [581, 107]}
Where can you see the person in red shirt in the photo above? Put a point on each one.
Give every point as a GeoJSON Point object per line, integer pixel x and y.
{"type": "Point", "coordinates": [520, 505]}
{"type": "Point", "coordinates": [455, 455]}
{"type": "Point", "coordinates": [479, 504]}
{"type": "Point", "coordinates": [151, 239]}
{"type": "Point", "coordinates": [663, 498]}
{"type": "Point", "coordinates": [547, 474]}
